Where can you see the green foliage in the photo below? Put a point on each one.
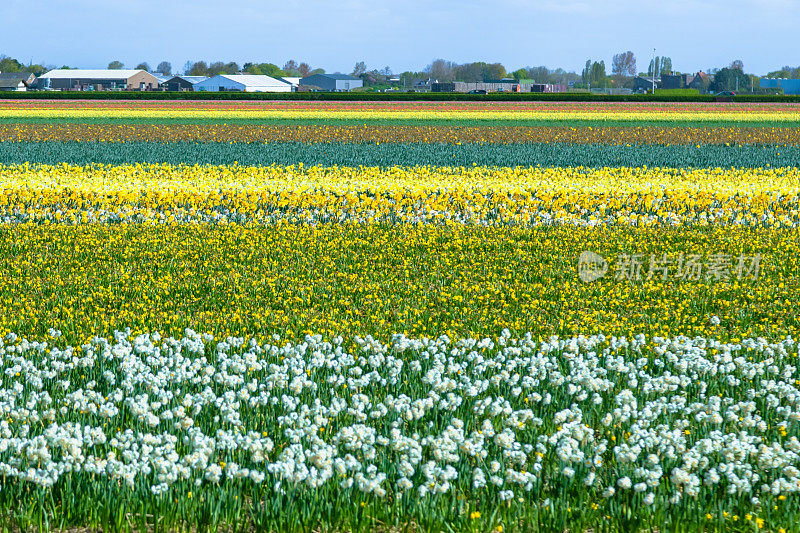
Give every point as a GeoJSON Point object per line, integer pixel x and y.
{"type": "Point", "coordinates": [353, 154]}
{"type": "Point", "coordinates": [594, 74]}
{"type": "Point", "coordinates": [479, 71]}
{"type": "Point", "coordinates": [730, 79]}
{"type": "Point", "coordinates": [520, 74]}
{"type": "Point", "coordinates": [678, 92]}
{"type": "Point", "coordinates": [265, 69]}
{"type": "Point", "coordinates": [116, 65]}
{"type": "Point", "coordinates": [9, 64]}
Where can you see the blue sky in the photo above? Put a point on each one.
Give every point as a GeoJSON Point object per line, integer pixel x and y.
{"type": "Point", "coordinates": [403, 34]}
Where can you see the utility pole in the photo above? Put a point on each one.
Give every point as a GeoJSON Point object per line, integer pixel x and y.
{"type": "Point", "coordinates": [654, 71]}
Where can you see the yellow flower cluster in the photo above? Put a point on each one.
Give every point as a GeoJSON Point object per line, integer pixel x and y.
{"type": "Point", "coordinates": [424, 280]}
{"type": "Point", "coordinates": [378, 133]}
{"type": "Point", "coordinates": [468, 195]}
{"type": "Point", "coordinates": [499, 114]}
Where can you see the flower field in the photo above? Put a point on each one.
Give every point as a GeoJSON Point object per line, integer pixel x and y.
{"type": "Point", "coordinates": [297, 316]}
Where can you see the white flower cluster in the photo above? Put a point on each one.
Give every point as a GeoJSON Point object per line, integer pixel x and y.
{"type": "Point", "coordinates": [665, 418]}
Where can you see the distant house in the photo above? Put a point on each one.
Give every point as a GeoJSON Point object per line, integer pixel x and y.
{"type": "Point", "coordinates": [789, 86]}
{"type": "Point", "coordinates": [675, 81]}
{"type": "Point", "coordinates": [248, 83]}
{"type": "Point", "coordinates": [97, 80]}
{"type": "Point", "coordinates": [645, 83]}
{"type": "Point", "coordinates": [700, 81]}
{"type": "Point", "coordinates": [16, 81]}
{"type": "Point", "coordinates": [182, 83]}
{"type": "Point", "coordinates": [423, 85]}
{"type": "Point", "coordinates": [160, 77]}
{"type": "Point", "coordinates": [333, 82]}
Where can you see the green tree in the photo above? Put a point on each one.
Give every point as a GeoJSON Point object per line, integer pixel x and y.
{"type": "Point", "coordinates": [730, 79]}
{"type": "Point", "coordinates": [264, 69]}
{"type": "Point", "coordinates": [198, 68]}
{"type": "Point", "coordinates": [666, 66]}
{"type": "Point", "coordinates": [520, 74]}
{"type": "Point", "coordinates": [116, 65]}
{"type": "Point", "coordinates": [143, 66]}
{"type": "Point", "coordinates": [9, 64]}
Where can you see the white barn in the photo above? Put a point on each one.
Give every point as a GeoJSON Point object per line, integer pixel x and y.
{"type": "Point", "coordinates": [249, 83]}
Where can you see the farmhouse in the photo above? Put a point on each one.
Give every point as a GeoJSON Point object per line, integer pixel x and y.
{"type": "Point", "coordinates": [332, 82]}
{"type": "Point", "coordinates": [16, 81]}
{"type": "Point", "coordinates": [249, 83]}
{"type": "Point", "coordinates": [97, 80]}
{"type": "Point", "coordinates": [182, 83]}
{"type": "Point", "coordinates": [700, 81]}
{"type": "Point", "coordinates": [645, 83]}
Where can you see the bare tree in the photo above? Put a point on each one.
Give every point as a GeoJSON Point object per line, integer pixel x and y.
{"type": "Point", "coordinates": [359, 69]}
{"type": "Point", "coordinates": [442, 70]}
{"type": "Point", "coordinates": [737, 64]}
{"type": "Point", "coordinates": [624, 64]}
{"type": "Point", "coordinates": [164, 68]}
{"type": "Point", "coordinates": [304, 69]}
{"type": "Point", "coordinates": [291, 67]}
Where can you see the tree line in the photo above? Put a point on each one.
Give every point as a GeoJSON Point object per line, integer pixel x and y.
{"type": "Point", "coordinates": [593, 75]}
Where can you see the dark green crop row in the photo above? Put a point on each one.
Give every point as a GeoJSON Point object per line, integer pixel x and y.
{"type": "Point", "coordinates": [392, 96]}
{"type": "Point", "coordinates": [350, 154]}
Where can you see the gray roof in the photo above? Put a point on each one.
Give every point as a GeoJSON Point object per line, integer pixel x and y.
{"type": "Point", "coordinates": [14, 76]}
{"type": "Point", "coordinates": [193, 79]}
{"type": "Point", "coordinates": [189, 79]}
{"type": "Point", "coordinates": [99, 74]}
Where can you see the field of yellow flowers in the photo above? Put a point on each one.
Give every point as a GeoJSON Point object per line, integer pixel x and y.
{"type": "Point", "coordinates": [302, 316]}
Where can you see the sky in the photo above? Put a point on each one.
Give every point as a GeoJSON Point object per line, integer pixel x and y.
{"type": "Point", "coordinates": [403, 34]}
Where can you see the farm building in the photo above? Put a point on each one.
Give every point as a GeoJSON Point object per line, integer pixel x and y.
{"type": "Point", "coordinates": [645, 83]}
{"type": "Point", "coordinates": [249, 83]}
{"type": "Point", "coordinates": [676, 81]}
{"type": "Point", "coordinates": [16, 81]}
{"type": "Point", "coordinates": [182, 83]}
{"type": "Point", "coordinates": [97, 80]}
{"type": "Point", "coordinates": [789, 86]}
{"type": "Point", "coordinates": [491, 86]}
{"type": "Point", "coordinates": [332, 82]}
{"type": "Point", "coordinates": [700, 81]}
{"type": "Point", "coordinates": [291, 80]}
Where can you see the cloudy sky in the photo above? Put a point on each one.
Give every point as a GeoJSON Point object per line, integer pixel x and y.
{"type": "Point", "coordinates": [402, 34]}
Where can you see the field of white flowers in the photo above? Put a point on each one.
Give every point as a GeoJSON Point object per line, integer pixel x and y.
{"type": "Point", "coordinates": [505, 433]}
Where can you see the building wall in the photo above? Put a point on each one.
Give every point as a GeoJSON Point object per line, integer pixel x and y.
{"type": "Point", "coordinates": [323, 82]}
{"type": "Point", "coordinates": [69, 84]}
{"type": "Point", "coordinates": [218, 83]}
{"type": "Point", "coordinates": [143, 80]}
{"type": "Point", "coordinates": [788, 86]}
{"type": "Point", "coordinates": [348, 85]}
{"type": "Point", "coordinates": [465, 87]}
{"type": "Point", "coordinates": [223, 84]}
